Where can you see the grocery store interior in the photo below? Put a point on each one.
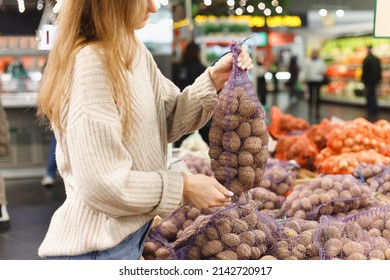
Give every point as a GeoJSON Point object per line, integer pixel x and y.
{"type": "Point", "coordinates": [277, 31]}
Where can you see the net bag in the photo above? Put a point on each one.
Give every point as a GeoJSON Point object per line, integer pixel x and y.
{"type": "Point", "coordinates": [238, 134]}
{"type": "Point", "coordinates": [339, 240]}
{"type": "Point", "coordinates": [326, 195]}
{"type": "Point", "coordinates": [297, 241]}
{"type": "Point", "coordinates": [238, 232]}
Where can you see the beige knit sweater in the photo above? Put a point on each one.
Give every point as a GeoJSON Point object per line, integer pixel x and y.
{"type": "Point", "coordinates": [114, 186]}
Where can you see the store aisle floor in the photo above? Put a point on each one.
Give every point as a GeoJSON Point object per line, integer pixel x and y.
{"type": "Point", "coordinates": [31, 206]}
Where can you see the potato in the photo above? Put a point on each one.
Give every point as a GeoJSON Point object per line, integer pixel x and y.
{"type": "Point", "coordinates": [212, 248]}
{"type": "Point", "coordinates": [283, 253]}
{"type": "Point", "coordinates": [236, 187]}
{"type": "Point", "coordinates": [227, 255]}
{"type": "Point", "coordinates": [244, 130]}
{"type": "Point", "coordinates": [255, 253]}
{"type": "Point", "coordinates": [200, 240]}
{"type": "Point", "coordinates": [353, 247]}
{"type": "Point", "coordinates": [247, 108]}
{"type": "Point", "coordinates": [223, 226]}
{"type": "Point", "coordinates": [331, 232]}
{"type": "Point", "coordinates": [387, 254]}
{"type": "Point", "coordinates": [248, 237]}
{"type": "Point", "coordinates": [168, 229]}
{"type": "Point", "coordinates": [162, 253]}
{"type": "Point", "coordinates": [149, 248]}
{"type": "Point", "coordinates": [333, 247]}
{"type": "Point", "coordinates": [246, 175]}
{"type": "Point", "coordinates": [245, 158]}
{"type": "Point", "coordinates": [194, 253]}
{"type": "Point", "coordinates": [193, 213]}
{"type": "Point", "coordinates": [299, 251]}
{"type": "Point", "coordinates": [215, 136]}
{"type": "Point", "coordinates": [211, 233]}
{"type": "Point", "coordinates": [231, 142]}
{"type": "Point", "coordinates": [253, 145]}
{"type": "Point", "coordinates": [251, 218]}
{"type": "Point", "coordinates": [357, 256]}
{"type": "Point", "coordinates": [268, 258]}
{"type": "Point", "coordinates": [243, 251]}
{"type": "Point", "coordinates": [376, 254]}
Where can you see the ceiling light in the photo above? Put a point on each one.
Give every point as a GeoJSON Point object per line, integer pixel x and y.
{"type": "Point", "coordinates": [323, 12]}
{"type": "Point", "coordinates": [340, 13]}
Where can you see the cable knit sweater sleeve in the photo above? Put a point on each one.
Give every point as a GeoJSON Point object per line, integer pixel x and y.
{"type": "Point", "coordinates": [188, 110]}
{"type": "Point", "coordinates": [109, 174]}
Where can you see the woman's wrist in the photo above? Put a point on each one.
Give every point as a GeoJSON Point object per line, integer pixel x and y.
{"type": "Point", "coordinates": [217, 80]}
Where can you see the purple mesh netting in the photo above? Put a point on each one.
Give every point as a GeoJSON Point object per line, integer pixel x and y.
{"type": "Point", "coordinates": [375, 220]}
{"type": "Point", "coordinates": [238, 135]}
{"type": "Point", "coordinates": [297, 241]}
{"type": "Point", "coordinates": [279, 176]}
{"type": "Point", "coordinates": [347, 241]}
{"type": "Point", "coordinates": [236, 232]}
{"type": "Point", "coordinates": [327, 195]}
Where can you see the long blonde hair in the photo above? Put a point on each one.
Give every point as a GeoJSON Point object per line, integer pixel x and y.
{"type": "Point", "coordinates": [105, 24]}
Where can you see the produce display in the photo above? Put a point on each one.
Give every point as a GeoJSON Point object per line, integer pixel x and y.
{"type": "Point", "coordinates": [348, 241]}
{"type": "Point", "coordinates": [238, 232]}
{"type": "Point", "coordinates": [197, 165]}
{"type": "Point", "coordinates": [238, 135]}
{"type": "Point", "coordinates": [283, 124]}
{"type": "Point", "coordinates": [279, 176]}
{"type": "Point", "coordinates": [327, 195]}
{"type": "Point", "coordinates": [336, 209]}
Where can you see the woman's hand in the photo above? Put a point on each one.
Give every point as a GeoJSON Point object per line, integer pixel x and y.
{"type": "Point", "coordinates": [206, 192]}
{"type": "Point", "coordinates": [221, 71]}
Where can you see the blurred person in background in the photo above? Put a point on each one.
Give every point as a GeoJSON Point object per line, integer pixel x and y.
{"type": "Point", "coordinates": [185, 74]}
{"type": "Point", "coordinates": [113, 114]}
{"type": "Point", "coordinates": [293, 69]}
{"type": "Point", "coordinates": [261, 70]}
{"type": "Point", "coordinates": [314, 73]}
{"type": "Point", "coordinates": [5, 150]}
{"type": "Point", "coordinates": [371, 76]}
{"type": "Point", "coordinates": [51, 167]}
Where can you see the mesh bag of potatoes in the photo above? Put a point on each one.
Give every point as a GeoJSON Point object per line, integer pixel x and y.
{"type": "Point", "coordinates": [238, 134]}
{"type": "Point", "coordinates": [326, 195]}
{"type": "Point", "coordinates": [366, 171]}
{"type": "Point", "coordinates": [238, 232]}
{"type": "Point", "coordinates": [158, 243]}
{"type": "Point", "coordinates": [297, 242]}
{"type": "Point", "coordinates": [156, 247]}
{"type": "Point", "coordinates": [279, 176]}
{"type": "Point", "coordinates": [375, 220]}
{"type": "Point", "coordinates": [264, 199]}
{"type": "Point", "coordinates": [337, 240]}
{"type": "Point", "coordinates": [197, 165]}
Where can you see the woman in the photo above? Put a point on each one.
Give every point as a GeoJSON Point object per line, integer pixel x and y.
{"type": "Point", "coordinates": [113, 113]}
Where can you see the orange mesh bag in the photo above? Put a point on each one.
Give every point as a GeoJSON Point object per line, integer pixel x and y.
{"type": "Point", "coordinates": [319, 133]}
{"type": "Point", "coordinates": [299, 148]}
{"type": "Point", "coordinates": [238, 135]}
{"type": "Point", "coordinates": [358, 135]}
{"type": "Point", "coordinates": [282, 124]}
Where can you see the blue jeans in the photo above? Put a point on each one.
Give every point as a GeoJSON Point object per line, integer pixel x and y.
{"type": "Point", "coordinates": [51, 168]}
{"type": "Point", "coordinates": [130, 248]}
